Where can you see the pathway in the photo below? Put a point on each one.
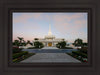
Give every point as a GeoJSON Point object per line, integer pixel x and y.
{"type": "Point", "coordinates": [51, 57]}
{"type": "Point", "coordinates": [49, 48]}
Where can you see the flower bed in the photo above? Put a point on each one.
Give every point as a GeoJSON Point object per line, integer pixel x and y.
{"type": "Point", "coordinates": [19, 54]}
{"type": "Point", "coordinates": [16, 50]}
{"type": "Point", "coordinates": [22, 57]}
{"type": "Point", "coordinates": [79, 55]}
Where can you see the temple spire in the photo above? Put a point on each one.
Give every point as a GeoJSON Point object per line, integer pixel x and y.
{"type": "Point", "coordinates": [49, 33]}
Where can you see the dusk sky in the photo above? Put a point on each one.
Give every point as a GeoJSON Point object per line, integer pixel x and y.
{"type": "Point", "coordinates": [63, 25]}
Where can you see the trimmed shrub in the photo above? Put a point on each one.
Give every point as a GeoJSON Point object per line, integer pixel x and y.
{"type": "Point", "coordinates": [32, 48]}
{"type": "Point", "coordinates": [84, 50]}
{"type": "Point", "coordinates": [16, 50]}
{"type": "Point", "coordinates": [38, 44]}
{"type": "Point", "coordinates": [67, 48]}
{"type": "Point", "coordinates": [19, 54]}
{"type": "Point", "coordinates": [15, 60]}
{"type": "Point", "coordinates": [79, 54]}
{"type": "Point", "coordinates": [61, 44]}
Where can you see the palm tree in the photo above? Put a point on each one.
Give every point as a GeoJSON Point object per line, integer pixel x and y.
{"type": "Point", "coordinates": [24, 43]}
{"type": "Point", "coordinates": [16, 42]}
{"type": "Point", "coordinates": [20, 40]}
{"type": "Point", "coordinates": [28, 42]}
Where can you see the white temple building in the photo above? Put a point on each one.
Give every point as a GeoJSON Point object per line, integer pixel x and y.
{"type": "Point", "coordinates": [49, 40]}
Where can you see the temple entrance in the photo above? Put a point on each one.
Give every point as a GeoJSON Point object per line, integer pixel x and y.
{"type": "Point", "coordinates": [50, 44]}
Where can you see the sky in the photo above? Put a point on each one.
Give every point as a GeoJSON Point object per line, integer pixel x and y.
{"type": "Point", "coordinates": [69, 25]}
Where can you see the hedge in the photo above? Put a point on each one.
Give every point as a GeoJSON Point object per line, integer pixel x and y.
{"type": "Point", "coordinates": [15, 60]}
{"type": "Point", "coordinates": [83, 51]}
{"type": "Point", "coordinates": [19, 54]}
{"type": "Point", "coordinates": [67, 48]}
{"type": "Point", "coordinates": [79, 54]}
{"type": "Point", "coordinates": [32, 48]}
{"type": "Point", "coordinates": [16, 50]}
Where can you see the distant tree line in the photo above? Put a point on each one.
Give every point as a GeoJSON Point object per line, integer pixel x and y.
{"type": "Point", "coordinates": [21, 42]}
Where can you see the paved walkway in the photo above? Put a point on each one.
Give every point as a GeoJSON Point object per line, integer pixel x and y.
{"type": "Point", "coordinates": [51, 57]}
{"type": "Point", "coordinates": [49, 48]}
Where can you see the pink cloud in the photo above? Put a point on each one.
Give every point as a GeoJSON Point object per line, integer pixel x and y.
{"type": "Point", "coordinates": [26, 36]}
{"type": "Point", "coordinates": [73, 29]}
{"type": "Point", "coordinates": [24, 17]}
{"type": "Point", "coordinates": [29, 25]}
{"type": "Point", "coordinates": [67, 17]}
{"type": "Point", "coordinates": [21, 18]}
{"type": "Point", "coordinates": [77, 15]}
{"type": "Point", "coordinates": [62, 23]}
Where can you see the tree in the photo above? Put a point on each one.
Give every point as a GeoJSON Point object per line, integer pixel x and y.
{"type": "Point", "coordinates": [20, 40]}
{"type": "Point", "coordinates": [38, 44]}
{"type": "Point", "coordinates": [24, 43]}
{"type": "Point", "coordinates": [58, 45]}
{"type": "Point", "coordinates": [36, 39]}
{"type": "Point", "coordinates": [61, 44]}
{"type": "Point", "coordinates": [16, 43]}
{"type": "Point", "coordinates": [28, 42]}
{"type": "Point", "coordinates": [85, 44]}
{"type": "Point", "coordinates": [78, 42]}
{"type": "Point", "coordinates": [63, 39]}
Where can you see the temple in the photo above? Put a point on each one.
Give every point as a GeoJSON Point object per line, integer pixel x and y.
{"type": "Point", "coordinates": [50, 40]}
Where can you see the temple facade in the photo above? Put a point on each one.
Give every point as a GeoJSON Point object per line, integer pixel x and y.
{"type": "Point", "coordinates": [49, 40]}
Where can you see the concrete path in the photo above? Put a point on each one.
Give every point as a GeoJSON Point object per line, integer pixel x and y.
{"type": "Point", "coordinates": [49, 48]}
{"type": "Point", "coordinates": [51, 57]}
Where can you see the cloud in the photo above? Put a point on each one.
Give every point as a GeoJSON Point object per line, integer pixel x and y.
{"type": "Point", "coordinates": [69, 25]}
{"type": "Point", "coordinates": [31, 26]}
{"type": "Point", "coordinates": [24, 17]}
{"type": "Point", "coordinates": [63, 24]}
{"type": "Point", "coordinates": [26, 36]}
{"type": "Point", "coordinates": [68, 17]}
